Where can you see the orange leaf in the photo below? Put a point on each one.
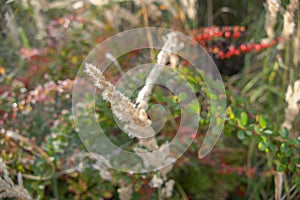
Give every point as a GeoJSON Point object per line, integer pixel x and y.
{"type": "Point", "coordinates": [2, 71]}
{"type": "Point", "coordinates": [163, 7]}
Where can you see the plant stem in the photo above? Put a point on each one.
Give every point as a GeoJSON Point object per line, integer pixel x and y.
{"type": "Point", "coordinates": [149, 37]}
{"type": "Point", "coordinates": [181, 191]}
{"type": "Point", "coordinates": [209, 12]}
{"type": "Point", "coordinates": [286, 187]}
{"type": "Point", "coordinates": [55, 187]}
{"type": "Point", "coordinates": [297, 44]}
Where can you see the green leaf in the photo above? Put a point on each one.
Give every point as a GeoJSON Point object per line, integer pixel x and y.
{"type": "Point", "coordinates": [268, 132]}
{"type": "Point", "coordinates": [294, 141]}
{"type": "Point", "coordinates": [267, 150]}
{"type": "Point", "coordinates": [227, 133]}
{"type": "Point", "coordinates": [289, 152]}
{"type": "Point", "coordinates": [295, 160]}
{"type": "Point", "coordinates": [257, 129]}
{"type": "Point", "coordinates": [291, 167]}
{"type": "Point", "coordinates": [251, 127]}
{"type": "Point", "coordinates": [284, 160]}
{"type": "Point", "coordinates": [284, 133]}
{"type": "Point", "coordinates": [249, 133]}
{"type": "Point", "coordinates": [262, 146]}
{"type": "Point", "coordinates": [283, 148]}
{"type": "Point", "coordinates": [194, 107]}
{"type": "Point", "coordinates": [298, 185]}
{"type": "Point", "coordinates": [213, 96]}
{"type": "Point", "coordinates": [24, 38]}
{"type": "Point", "coordinates": [182, 96]}
{"type": "Point", "coordinates": [273, 147]}
{"type": "Point", "coordinates": [244, 119]}
{"type": "Point", "coordinates": [241, 135]}
{"type": "Point", "coordinates": [264, 139]}
{"type": "Point", "coordinates": [280, 167]}
{"type": "Point", "coordinates": [262, 122]}
{"type": "Point", "coordinates": [159, 96]}
{"type": "Point", "coordinates": [246, 141]}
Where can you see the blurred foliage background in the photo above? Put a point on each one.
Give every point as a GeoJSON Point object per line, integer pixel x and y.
{"type": "Point", "coordinates": [44, 42]}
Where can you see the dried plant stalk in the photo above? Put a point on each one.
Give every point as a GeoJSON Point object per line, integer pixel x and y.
{"type": "Point", "coordinates": [125, 192]}
{"type": "Point", "coordinates": [168, 189]}
{"type": "Point", "coordinates": [7, 187]}
{"type": "Point", "coordinates": [190, 7]}
{"type": "Point", "coordinates": [39, 19]}
{"type": "Point", "coordinates": [278, 179]}
{"type": "Point", "coordinates": [289, 20]}
{"type": "Point", "coordinates": [272, 7]}
{"type": "Point", "coordinates": [120, 105]}
{"type": "Point", "coordinates": [136, 122]}
{"type": "Point", "coordinates": [172, 45]}
{"type": "Point", "coordinates": [291, 111]}
{"type": "Point", "coordinates": [135, 118]}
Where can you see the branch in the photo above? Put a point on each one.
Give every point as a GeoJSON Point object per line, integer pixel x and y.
{"type": "Point", "coordinates": [171, 45]}
{"type": "Point", "coordinates": [136, 120]}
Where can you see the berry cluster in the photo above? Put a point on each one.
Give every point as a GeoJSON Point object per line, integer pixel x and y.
{"type": "Point", "coordinates": [226, 42]}
{"type": "Point", "coordinates": [240, 49]}
{"type": "Point", "coordinates": [205, 34]}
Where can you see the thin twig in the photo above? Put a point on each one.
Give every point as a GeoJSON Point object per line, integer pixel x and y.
{"type": "Point", "coordinates": [149, 37]}
{"type": "Point", "coordinates": [209, 12]}
{"type": "Point", "coordinates": [110, 57]}
{"type": "Point", "coordinates": [16, 136]}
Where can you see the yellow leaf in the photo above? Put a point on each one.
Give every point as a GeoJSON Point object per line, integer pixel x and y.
{"type": "Point", "coordinates": [2, 71]}
{"type": "Point", "coordinates": [21, 107]}
{"type": "Point", "coordinates": [163, 7]}
{"type": "Point", "coordinates": [182, 16]}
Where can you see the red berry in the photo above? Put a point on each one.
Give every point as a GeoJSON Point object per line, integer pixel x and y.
{"type": "Point", "coordinates": [258, 47]}
{"type": "Point", "coordinates": [274, 41]}
{"type": "Point", "coordinates": [243, 48]}
{"type": "Point", "coordinates": [250, 47]}
{"type": "Point", "coordinates": [237, 52]}
{"type": "Point", "coordinates": [199, 37]}
{"type": "Point", "coordinates": [231, 49]}
{"type": "Point", "coordinates": [264, 45]}
{"type": "Point", "coordinates": [211, 32]}
{"type": "Point", "coordinates": [227, 34]}
{"type": "Point", "coordinates": [222, 55]}
{"type": "Point", "coordinates": [218, 34]}
{"type": "Point", "coordinates": [186, 63]}
{"type": "Point", "coordinates": [202, 43]}
{"type": "Point", "coordinates": [237, 34]}
{"type": "Point", "coordinates": [228, 54]}
{"type": "Point", "coordinates": [236, 28]}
